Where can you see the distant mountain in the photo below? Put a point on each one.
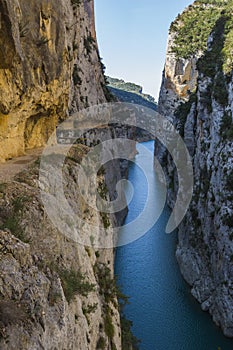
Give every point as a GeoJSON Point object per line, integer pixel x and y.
{"type": "Point", "coordinates": [130, 92]}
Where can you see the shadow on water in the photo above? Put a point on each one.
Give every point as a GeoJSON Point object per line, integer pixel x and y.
{"type": "Point", "coordinates": [165, 316]}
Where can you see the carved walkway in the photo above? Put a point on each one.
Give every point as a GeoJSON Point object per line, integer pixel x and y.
{"type": "Point", "coordinates": [14, 166]}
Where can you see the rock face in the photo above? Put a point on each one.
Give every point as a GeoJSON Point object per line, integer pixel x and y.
{"type": "Point", "coordinates": [49, 66]}
{"type": "Point", "coordinates": [55, 293]}
{"type": "Point", "coordinates": [196, 95]}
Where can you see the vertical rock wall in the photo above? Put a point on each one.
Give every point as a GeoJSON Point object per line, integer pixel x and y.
{"type": "Point", "coordinates": [196, 95]}
{"type": "Point", "coordinates": [49, 67]}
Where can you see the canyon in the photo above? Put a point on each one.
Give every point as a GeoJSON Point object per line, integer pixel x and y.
{"type": "Point", "coordinates": [55, 293]}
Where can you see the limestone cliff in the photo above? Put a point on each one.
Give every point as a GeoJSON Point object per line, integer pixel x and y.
{"type": "Point", "coordinates": [49, 66]}
{"type": "Point", "coordinates": [54, 293]}
{"type": "Point", "coordinates": [196, 95]}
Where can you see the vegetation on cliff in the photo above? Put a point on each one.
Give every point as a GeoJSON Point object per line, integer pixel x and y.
{"type": "Point", "coordinates": [205, 30]}
{"type": "Point", "coordinates": [193, 28]}
{"type": "Point", "coordinates": [129, 87]}
{"type": "Point", "coordinates": [130, 93]}
{"type": "Point", "coordinates": [126, 86]}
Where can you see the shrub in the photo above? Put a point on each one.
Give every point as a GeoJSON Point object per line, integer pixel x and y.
{"type": "Point", "coordinates": [212, 60]}
{"type": "Point", "coordinates": [108, 324]}
{"type": "Point", "coordinates": [128, 340]}
{"type": "Point", "coordinates": [193, 28]}
{"type": "Point", "coordinates": [105, 219]}
{"type": "Point", "coordinates": [108, 284]}
{"type": "Point", "coordinates": [89, 309]}
{"type": "Point", "coordinates": [11, 219]}
{"type": "Point", "coordinates": [89, 43]}
{"type": "Point", "coordinates": [73, 282]}
{"type": "Point", "coordinates": [102, 189]}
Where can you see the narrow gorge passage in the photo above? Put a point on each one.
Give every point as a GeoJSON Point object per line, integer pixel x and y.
{"type": "Point", "coordinates": [164, 314]}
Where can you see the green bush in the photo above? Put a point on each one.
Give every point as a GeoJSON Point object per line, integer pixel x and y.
{"type": "Point", "coordinates": [228, 44]}
{"type": "Point", "coordinates": [128, 340]}
{"type": "Point", "coordinates": [108, 324]}
{"type": "Point", "coordinates": [108, 285]}
{"type": "Point", "coordinates": [74, 282]}
{"type": "Point", "coordinates": [11, 219]}
{"type": "Point", "coordinates": [89, 309]}
{"type": "Point", "coordinates": [193, 28]}
{"type": "Point", "coordinates": [212, 60]}
{"type": "Point", "coordinates": [89, 43]}
{"type": "Point", "coordinates": [211, 64]}
{"type": "Point", "coordinates": [110, 290]}
{"type": "Point", "coordinates": [106, 220]}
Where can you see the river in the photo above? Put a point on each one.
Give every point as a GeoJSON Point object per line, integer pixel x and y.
{"type": "Point", "coordinates": [165, 316]}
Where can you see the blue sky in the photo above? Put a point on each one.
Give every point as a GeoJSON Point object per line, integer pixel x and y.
{"type": "Point", "coordinates": [132, 37]}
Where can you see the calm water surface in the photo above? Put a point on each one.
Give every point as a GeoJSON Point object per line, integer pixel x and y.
{"type": "Point", "coordinates": [165, 316]}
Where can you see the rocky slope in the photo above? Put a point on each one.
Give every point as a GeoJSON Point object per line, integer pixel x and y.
{"type": "Point", "coordinates": [54, 293]}
{"type": "Point", "coordinates": [196, 95]}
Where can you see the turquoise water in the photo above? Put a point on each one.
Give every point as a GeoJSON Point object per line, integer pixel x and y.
{"type": "Point", "coordinates": [165, 316]}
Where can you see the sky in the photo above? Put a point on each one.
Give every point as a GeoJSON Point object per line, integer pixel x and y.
{"type": "Point", "coordinates": [132, 37]}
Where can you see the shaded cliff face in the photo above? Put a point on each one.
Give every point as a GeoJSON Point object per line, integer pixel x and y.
{"type": "Point", "coordinates": [49, 66]}
{"type": "Point", "coordinates": [196, 95]}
